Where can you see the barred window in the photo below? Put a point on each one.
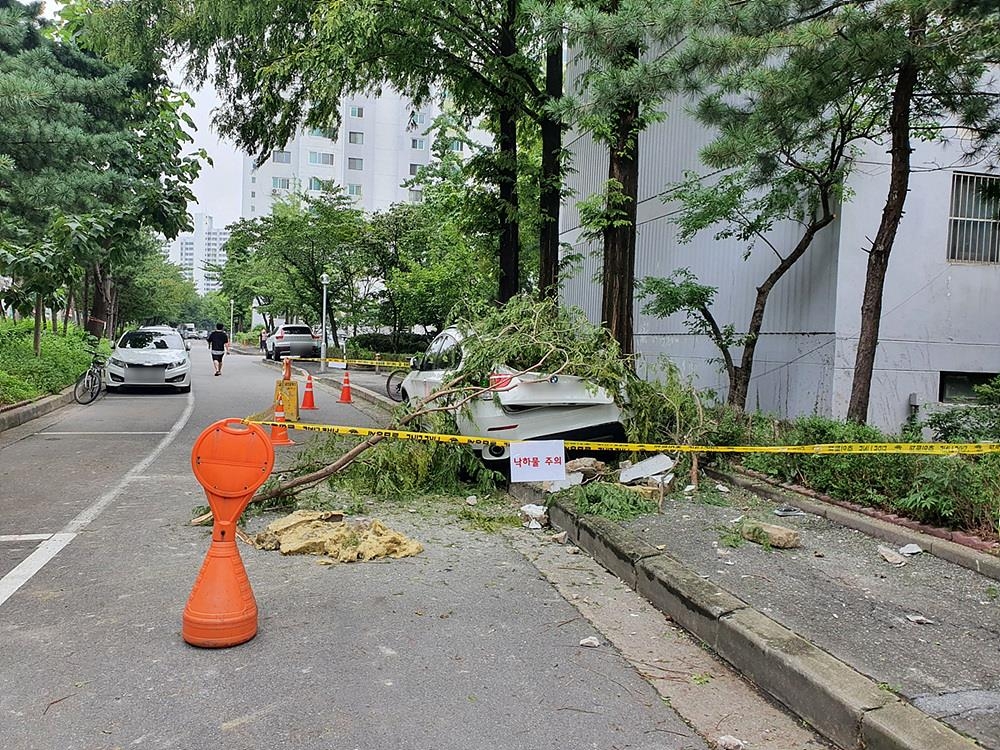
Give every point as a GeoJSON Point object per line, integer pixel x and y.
{"type": "Point", "coordinates": [974, 223]}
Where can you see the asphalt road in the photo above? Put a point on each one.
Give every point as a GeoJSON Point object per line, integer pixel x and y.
{"type": "Point", "coordinates": [464, 646]}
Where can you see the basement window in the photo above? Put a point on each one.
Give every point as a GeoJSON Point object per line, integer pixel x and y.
{"type": "Point", "coordinates": [957, 387]}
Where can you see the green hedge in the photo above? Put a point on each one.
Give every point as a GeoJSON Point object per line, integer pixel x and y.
{"type": "Point", "coordinates": [956, 491]}
{"type": "Point", "coordinates": [24, 376]}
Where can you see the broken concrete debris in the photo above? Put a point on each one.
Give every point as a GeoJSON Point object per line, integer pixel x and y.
{"type": "Point", "coordinates": [788, 511]}
{"type": "Point", "coordinates": [728, 742]}
{"type": "Point", "coordinates": [589, 467]}
{"type": "Point", "coordinates": [534, 516]}
{"type": "Point", "coordinates": [910, 549]}
{"type": "Point", "coordinates": [919, 620]}
{"type": "Point", "coordinates": [769, 534]}
{"type": "Point", "coordinates": [571, 480]}
{"type": "Point", "coordinates": [309, 532]}
{"type": "Point", "coordinates": [723, 489]}
{"type": "Point", "coordinates": [472, 500]}
{"type": "Point", "coordinates": [560, 538]}
{"type": "Point", "coordinates": [891, 556]}
{"type": "Point", "coordinates": [661, 463]}
{"type": "Point", "coordinates": [590, 642]}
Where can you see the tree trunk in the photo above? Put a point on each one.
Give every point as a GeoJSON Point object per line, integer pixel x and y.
{"type": "Point", "coordinates": [619, 231]}
{"type": "Point", "coordinates": [878, 256]}
{"type": "Point", "coordinates": [100, 312]}
{"type": "Point", "coordinates": [550, 194]}
{"type": "Point", "coordinates": [55, 316]}
{"type": "Point", "coordinates": [739, 377]}
{"type": "Point", "coordinates": [510, 248]}
{"type": "Point", "coordinates": [39, 320]}
{"type": "Point", "coordinates": [69, 307]}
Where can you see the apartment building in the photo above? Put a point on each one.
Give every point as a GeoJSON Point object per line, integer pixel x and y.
{"type": "Point", "coordinates": [380, 144]}
{"type": "Point", "coordinates": [938, 336]}
{"type": "Point", "coordinates": [195, 250]}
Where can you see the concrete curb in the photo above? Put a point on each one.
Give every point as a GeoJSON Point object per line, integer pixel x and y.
{"type": "Point", "coordinates": [979, 562]}
{"type": "Point", "coordinates": [19, 414]}
{"type": "Point", "coordinates": [841, 703]}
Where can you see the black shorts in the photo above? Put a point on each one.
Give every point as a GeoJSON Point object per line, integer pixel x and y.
{"type": "Point", "coordinates": [218, 356]}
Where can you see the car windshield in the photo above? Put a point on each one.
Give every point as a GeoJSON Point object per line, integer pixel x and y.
{"type": "Point", "coordinates": [303, 330]}
{"type": "Point", "coordinates": [151, 340]}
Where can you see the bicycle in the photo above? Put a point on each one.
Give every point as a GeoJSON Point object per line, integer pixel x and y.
{"type": "Point", "coordinates": [88, 385]}
{"type": "Point", "coordinates": [394, 384]}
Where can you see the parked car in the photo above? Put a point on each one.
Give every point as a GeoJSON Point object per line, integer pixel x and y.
{"type": "Point", "coordinates": [518, 407]}
{"type": "Point", "coordinates": [291, 340]}
{"type": "Point", "coordinates": [149, 356]}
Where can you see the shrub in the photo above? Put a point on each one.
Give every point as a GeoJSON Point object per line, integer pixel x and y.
{"type": "Point", "coordinates": [966, 424]}
{"type": "Point", "coordinates": [405, 342]}
{"type": "Point", "coordinates": [26, 376]}
{"type": "Point", "coordinates": [861, 478]}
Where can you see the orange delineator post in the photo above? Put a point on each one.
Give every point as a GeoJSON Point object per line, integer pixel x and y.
{"type": "Point", "coordinates": [231, 461]}
{"type": "Point", "coordinates": [279, 434]}
{"type": "Point", "coordinates": [308, 401]}
{"type": "Point", "coordinates": [345, 390]}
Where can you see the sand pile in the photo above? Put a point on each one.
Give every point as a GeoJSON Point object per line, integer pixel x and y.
{"type": "Point", "coordinates": [310, 532]}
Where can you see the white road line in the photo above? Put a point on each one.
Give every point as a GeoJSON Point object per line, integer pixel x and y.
{"type": "Point", "coordinates": [24, 537]}
{"type": "Point", "coordinates": [161, 432]}
{"type": "Point", "coordinates": [48, 549]}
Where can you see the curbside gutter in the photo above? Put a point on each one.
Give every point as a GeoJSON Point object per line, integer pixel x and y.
{"type": "Point", "coordinates": [838, 701]}
{"type": "Point", "coordinates": [17, 414]}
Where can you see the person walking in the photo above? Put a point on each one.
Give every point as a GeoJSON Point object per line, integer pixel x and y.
{"type": "Point", "coordinates": [263, 340]}
{"type": "Point", "coordinates": [218, 345]}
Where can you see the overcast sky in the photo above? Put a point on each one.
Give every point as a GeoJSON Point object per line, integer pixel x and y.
{"type": "Point", "coordinates": [219, 186]}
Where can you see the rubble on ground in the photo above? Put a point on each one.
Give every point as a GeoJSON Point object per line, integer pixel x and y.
{"type": "Point", "coordinates": [308, 532]}
{"type": "Point", "coordinates": [770, 534]}
{"type": "Point", "coordinates": [534, 516]}
{"type": "Point", "coordinates": [661, 463]}
{"type": "Point", "coordinates": [589, 467]}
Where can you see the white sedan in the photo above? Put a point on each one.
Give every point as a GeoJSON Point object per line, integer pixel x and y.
{"type": "Point", "coordinates": [526, 407]}
{"type": "Point", "coordinates": [153, 356]}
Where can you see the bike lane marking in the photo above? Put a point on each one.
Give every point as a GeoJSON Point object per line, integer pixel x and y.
{"type": "Point", "coordinates": [51, 547]}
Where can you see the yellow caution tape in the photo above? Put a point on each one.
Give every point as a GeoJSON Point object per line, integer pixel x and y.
{"type": "Point", "coordinates": [940, 449]}
{"type": "Point", "coordinates": [376, 362]}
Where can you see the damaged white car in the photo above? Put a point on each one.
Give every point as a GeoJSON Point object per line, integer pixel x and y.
{"type": "Point", "coordinates": [528, 406]}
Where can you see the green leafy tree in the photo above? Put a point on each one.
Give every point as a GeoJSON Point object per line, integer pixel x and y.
{"type": "Point", "coordinates": [922, 66]}
{"type": "Point", "coordinates": [282, 64]}
{"type": "Point", "coordinates": [625, 51]}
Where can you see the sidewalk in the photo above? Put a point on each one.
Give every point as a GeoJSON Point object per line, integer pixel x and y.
{"type": "Point", "coordinates": [870, 654]}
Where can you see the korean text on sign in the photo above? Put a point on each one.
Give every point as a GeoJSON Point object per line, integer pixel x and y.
{"type": "Point", "coordinates": [537, 461]}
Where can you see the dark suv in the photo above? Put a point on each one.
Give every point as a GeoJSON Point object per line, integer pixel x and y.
{"type": "Point", "coordinates": [291, 339]}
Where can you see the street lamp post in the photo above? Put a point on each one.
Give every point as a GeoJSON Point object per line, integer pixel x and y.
{"type": "Point", "coordinates": [324, 280]}
{"type": "Point", "coordinates": [232, 306]}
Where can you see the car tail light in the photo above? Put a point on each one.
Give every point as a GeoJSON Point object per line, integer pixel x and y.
{"type": "Point", "coordinates": [498, 381]}
{"type": "Point", "coordinates": [315, 337]}
{"type": "Point", "coordinates": [279, 336]}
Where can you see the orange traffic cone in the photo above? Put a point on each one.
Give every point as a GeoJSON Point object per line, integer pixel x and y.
{"type": "Point", "coordinates": [286, 371]}
{"type": "Point", "coordinates": [279, 434]}
{"type": "Point", "coordinates": [345, 390]}
{"type": "Point", "coordinates": [307, 397]}
{"type": "Point", "coordinates": [231, 460]}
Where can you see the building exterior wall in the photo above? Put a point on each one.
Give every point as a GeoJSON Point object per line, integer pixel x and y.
{"type": "Point", "coordinates": [192, 251]}
{"type": "Point", "coordinates": [391, 131]}
{"type": "Point", "coordinates": [793, 367]}
{"type": "Point", "coordinates": [937, 315]}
